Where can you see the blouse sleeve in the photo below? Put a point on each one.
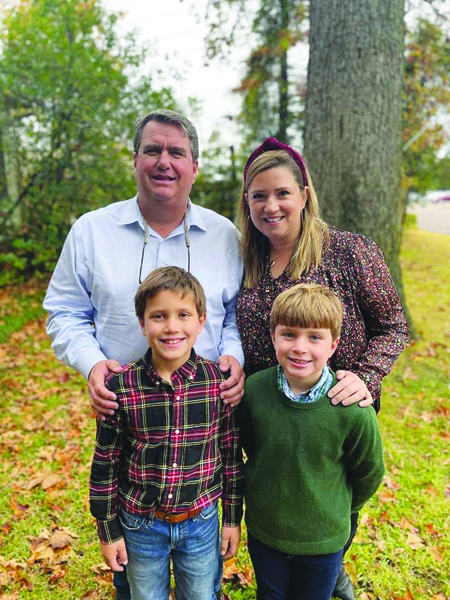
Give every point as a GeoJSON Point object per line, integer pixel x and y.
{"type": "Point", "coordinates": [383, 315]}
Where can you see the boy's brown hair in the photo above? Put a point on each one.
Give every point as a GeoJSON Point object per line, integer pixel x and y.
{"type": "Point", "coordinates": [173, 279]}
{"type": "Point", "coordinates": [308, 305]}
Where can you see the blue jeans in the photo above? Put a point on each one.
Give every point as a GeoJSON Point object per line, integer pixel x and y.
{"type": "Point", "coordinates": [194, 546]}
{"type": "Point", "coordinates": [282, 576]}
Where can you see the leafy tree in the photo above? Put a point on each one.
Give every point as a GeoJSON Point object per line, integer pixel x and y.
{"type": "Point", "coordinates": [67, 109]}
{"type": "Point", "coordinates": [271, 103]}
{"type": "Point", "coordinates": [426, 97]}
{"type": "Point", "coordinates": [219, 178]}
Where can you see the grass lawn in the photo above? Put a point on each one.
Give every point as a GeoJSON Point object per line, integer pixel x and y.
{"type": "Point", "coordinates": [48, 543]}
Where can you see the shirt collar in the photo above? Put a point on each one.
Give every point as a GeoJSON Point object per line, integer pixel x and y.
{"type": "Point", "coordinates": [194, 217]}
{"type": "Point", "coordinates": [187, 370]}
{"type": "Point", "coordinates": [132, 214]}
{"type": "Point", "coordinates": [310, 395]}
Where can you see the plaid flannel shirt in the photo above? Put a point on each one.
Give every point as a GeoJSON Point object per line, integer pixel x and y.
{"type": "Point", "coordinates": [169, 447]}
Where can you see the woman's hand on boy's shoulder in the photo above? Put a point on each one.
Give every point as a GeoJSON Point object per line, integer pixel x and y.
{"type": "Point", "coordinates": [232, 389]}
{"type": "Point", "coordinates": [230, 541]}
{"type": "Point", "coordinates": [349, 390]}
{"type": "Point", "coordinates": [115, 554]}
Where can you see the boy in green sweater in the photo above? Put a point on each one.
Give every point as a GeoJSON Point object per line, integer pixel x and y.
{"type": "Point", "coordinates": [310, 464]}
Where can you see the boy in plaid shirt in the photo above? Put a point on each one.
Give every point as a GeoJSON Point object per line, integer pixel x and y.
{"type": "Point", "coordinates": [167, 455]}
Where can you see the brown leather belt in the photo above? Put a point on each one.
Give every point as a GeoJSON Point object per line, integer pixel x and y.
{"type": "Point", "coordinates": [176, 517]}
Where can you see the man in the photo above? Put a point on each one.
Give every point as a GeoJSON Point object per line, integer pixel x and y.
{"type": "Point", "coordinates": [108, 252]}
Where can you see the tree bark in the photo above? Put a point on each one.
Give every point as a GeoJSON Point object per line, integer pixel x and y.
{"type": "Point", "coordinates": [354, 117]}
{"type": "Point", "coordinates": [283, 84]}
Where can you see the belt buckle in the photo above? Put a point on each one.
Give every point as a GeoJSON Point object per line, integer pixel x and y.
{"type": "Point", "coordinates": [167, 518]}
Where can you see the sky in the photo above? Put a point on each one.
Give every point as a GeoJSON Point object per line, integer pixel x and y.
{"type": "Point", "coordinates": [171, 27]}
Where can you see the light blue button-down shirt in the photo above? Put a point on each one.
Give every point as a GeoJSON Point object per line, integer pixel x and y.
{"type": "Point", "coordinates": [90, 299]}
{"type": "Point", "coordinates": [317, 391]}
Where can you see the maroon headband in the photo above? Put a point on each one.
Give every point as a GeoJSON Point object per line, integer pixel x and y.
{"type": "Point", "coordinates": [271, 143]}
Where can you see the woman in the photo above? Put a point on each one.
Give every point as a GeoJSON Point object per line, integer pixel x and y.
{"type": "Point", "coordinates": [285, 242]}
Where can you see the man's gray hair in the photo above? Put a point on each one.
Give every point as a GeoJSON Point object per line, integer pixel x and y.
{"type": "Point", "coordinates": [168, 117]}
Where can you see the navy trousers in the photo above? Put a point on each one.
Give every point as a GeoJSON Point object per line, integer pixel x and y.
{"type": "Point", "coordinates": [282, 576]}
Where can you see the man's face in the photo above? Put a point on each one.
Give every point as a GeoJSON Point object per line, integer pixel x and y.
{"type": "Point", "coordinates": [165, 170]}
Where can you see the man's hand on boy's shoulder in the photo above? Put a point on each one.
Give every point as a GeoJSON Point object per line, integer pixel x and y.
{"type": "Point", "coordinates": [350, 389]}
{"type": "Point", "coordinates": [230, 541]}
{"type": "Point", "coordinates": [102, 400]}
{"type": "Point", "coordinates": [115, 554]}
{"type": "Point", "coordinates": [232, 389]}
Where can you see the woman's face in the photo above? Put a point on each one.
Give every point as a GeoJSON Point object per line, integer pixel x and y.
{"type": "Point", "coordinates": [276, 201]}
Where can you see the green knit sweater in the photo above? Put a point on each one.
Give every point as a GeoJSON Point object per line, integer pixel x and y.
{"type": "Point", "coordinates": [309, 466]}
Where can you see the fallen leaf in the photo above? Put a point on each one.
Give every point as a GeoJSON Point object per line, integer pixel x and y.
{"type": "Point", "coordinates": [17, 508]}
{"type": "Point", "coordinates": [407, 596]}
{"type": "Point", "coordinates": [430, 489]}
{"type": "Point", "coordinates": [408, 373]}
{"type": "Point", "coordinates": [414, 541]}
{"type": "Point", "coordinates": [390, 483]}
{"type": "Point", "coordinates": [405, 524]}
{"type": "Point", "coordinates": [427, 417]}
{"type": "Point", "coordinates": [385, 495]}
{"type": "Point", "coordinates": [435, 553]}
{"type": "Point", "coordinates": [91, 595]}
{"type": "Point", "coordinates": [50, 481]}
{"type": "Point", "coordinates": [100, 568]}
{"type": "Point", "coordinates": [42, 553]}
{"type": "Point", "coordinates": [6, 528]}
{"type": "Point", "coordinates": [5, 578]}
{"type": "Point", "coordinates": [60, 539]}
{"type": "Point", "coordinates": [234, 573]}
{"type": "Point", "coordinates": [431, 530]}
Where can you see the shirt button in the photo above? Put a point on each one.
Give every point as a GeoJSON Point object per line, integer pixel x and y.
{"type": "Point", "coordinates": [177, 397]}
{"type": "Point", "coordinates": [174, 465]}
{"type": "Point", "coordinates": [170, 496]}
{"type": "Point", "coordinates": [177, 431]}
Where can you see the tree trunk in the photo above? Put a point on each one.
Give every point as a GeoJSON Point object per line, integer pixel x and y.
{"type": "Point", "coordinates": [354, 117]}
{"type": "Point", "coordinates": [10, 165]}
{"type": "Point", "coordinates": [283, 84]}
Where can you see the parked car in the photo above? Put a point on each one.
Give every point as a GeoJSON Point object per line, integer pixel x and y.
{"type": "Point", "coordinates": [436, 197]}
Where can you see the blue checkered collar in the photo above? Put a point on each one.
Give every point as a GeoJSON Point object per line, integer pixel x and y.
{"type": "Point", "coordinates": [313, 394]}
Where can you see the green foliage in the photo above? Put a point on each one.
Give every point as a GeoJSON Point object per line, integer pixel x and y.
{"type": "Point", "coordinates": [70, 96]}
{"type": "Point", "coordinates": [426, 96]}
{"type": "Point", "coordinates": [271, 102]}
{"type": "Point", "coordinates": [218, 182]}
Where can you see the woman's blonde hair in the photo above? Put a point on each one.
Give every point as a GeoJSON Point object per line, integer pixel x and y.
{"type": "Point", "coordinates": [313, 231]}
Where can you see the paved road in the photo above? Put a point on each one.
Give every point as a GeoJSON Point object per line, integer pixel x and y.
{"type": "Point", "coordinates": [433, 217]}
